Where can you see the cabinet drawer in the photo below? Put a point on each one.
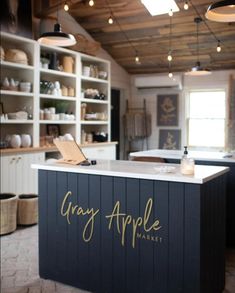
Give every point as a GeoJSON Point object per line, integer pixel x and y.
{"type": "Point", "coordinates": [102, 152]}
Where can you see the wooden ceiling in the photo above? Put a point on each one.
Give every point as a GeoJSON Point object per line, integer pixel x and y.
{"type": "Point", "coordinates": [134, 29]}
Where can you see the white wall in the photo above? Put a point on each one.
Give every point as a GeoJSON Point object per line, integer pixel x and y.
{"type": "Point", "coordinates": [217, 80]}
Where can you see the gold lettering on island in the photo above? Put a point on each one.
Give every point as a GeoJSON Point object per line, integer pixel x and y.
{"type": "Point", "coordinates": [125, 220]}
{"type": "Point", "coordinates": [68, 209]}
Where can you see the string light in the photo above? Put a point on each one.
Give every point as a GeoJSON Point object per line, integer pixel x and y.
{"type": "Point", "coordinates": [66, 6]}
{"type": "Point", "coordinates": [170, 74]}
{"type": "Point", "coordinates": [110, 20]}
{"type": "Point", "coordinates": [171, 12]}
{"type": "Point", "coordinates": [218, 49]}
{"type": "Point", "coordinates": [137, 59]}
{"type": "Point", "coordinates": [186, 5]}
{"type": "Point", "coordinates": [169, 57]}
{"type": "Point", "coordinates": [91, 3]}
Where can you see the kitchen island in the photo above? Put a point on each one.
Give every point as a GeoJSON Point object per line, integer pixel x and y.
{"type": "Point", "coordinates": [123, 227]}
{"type": "Point", "coordinates": [206, 158]}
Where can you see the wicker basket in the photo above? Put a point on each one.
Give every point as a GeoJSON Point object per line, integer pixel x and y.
{"type": "Point", "coordinates": [8, 211]}
{"type": "Point", "coordinates": [27, 209]}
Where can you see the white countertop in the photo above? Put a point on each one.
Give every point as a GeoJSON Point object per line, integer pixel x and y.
{"type": "Point", "coordinates": [139, 170]}
{"type": "Point", "coordinates": [197, 155]}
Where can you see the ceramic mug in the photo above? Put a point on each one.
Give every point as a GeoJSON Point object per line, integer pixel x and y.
{"type": "Point", "coordinates": [25, 140]}
{"type": "Point", "coordinates": [15, 141]}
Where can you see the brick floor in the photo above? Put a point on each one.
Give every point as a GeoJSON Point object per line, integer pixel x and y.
{"type": "Point", "coordinates": [19, 266]}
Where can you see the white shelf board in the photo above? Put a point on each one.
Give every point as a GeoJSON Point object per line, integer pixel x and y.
{"type": "Point", "coordinates": [14, 121]}
{"type": "Point", "coordinates": [57, 72]}
{"type": "Point", "coordinates": [57, 121]}
{"type": "Point", "coordinates": [87, 78]}
{"type": "Point", "coordinates": [16, 65]}
{"type": "Point", "coordinates": [93, 122]}
{"type": "Point", "coordinates": [66, 98]}
{"type": "Point", "coordinates": [16, 93]}
{"type": "Point", "coordinates": [94, 101]}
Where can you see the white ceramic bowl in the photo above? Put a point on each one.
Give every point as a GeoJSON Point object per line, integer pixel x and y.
{"type": "Point", "coordinates": [25, 87]}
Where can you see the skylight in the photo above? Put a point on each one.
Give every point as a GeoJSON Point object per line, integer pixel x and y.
{"type": "Point", "coordinates": [157, 7]}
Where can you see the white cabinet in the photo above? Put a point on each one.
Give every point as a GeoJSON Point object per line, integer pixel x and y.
{"type": "Point", "coordinates": [17, 176]}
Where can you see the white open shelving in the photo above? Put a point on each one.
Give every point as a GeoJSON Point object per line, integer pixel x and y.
{"type": "Point", "coordinates": [35, 100]}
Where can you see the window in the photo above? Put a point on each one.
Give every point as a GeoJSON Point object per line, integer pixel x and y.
{"type": "Point", "coordinates": [206, 120]}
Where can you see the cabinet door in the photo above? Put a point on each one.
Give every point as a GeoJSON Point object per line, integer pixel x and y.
{"type": "Point", "coordinates": [102, 152]}
{"type": "Point", "coordinates": [17, 176]}
{"type": "Point", "coordinates": [8, 174]}
{"type": "Point", "coordinates": [29, 180]}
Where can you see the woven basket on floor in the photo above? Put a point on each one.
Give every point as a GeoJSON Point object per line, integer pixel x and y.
{"type": "Point", "coordinates": [27, 209]}
{"type": "Point", "coordinates": [8, 211]}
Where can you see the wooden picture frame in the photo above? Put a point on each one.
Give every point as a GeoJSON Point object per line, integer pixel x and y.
{"type": "Point", "coordinates": [167, 110]}
{"type": "Point", "coordinates": [53, 130]}
{"type": "Point", "coordinates": [170, 139]}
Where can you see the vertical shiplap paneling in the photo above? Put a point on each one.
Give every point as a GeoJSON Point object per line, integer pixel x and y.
{"type": "Point", "coordinates": [83, 247]}
{"type": "Point", "coordinates": [192, 243]}
{"type": "Point", "coordinates": [72, 229]}
{"type": "Point", "coordinates": [43, 222]}
{"type": "Point", "coordinates": [146, 246]}
{"type": "Point", "coordinates": [94, 244]}
{"type": "Point", "coordinates": [161, 212]}
{"type": "Point", "coordinates": [52, 231]}
{"type": "Point", "coordinates": [62, 226]}
{"type": "Point", "coordinates": [132, 254]}
{"type": "Point", "coordinates": [176, 237]}
{"type": "Point", "coordinates": [119, 251]}
{"type": "Point", "coordinates": [106, 235]}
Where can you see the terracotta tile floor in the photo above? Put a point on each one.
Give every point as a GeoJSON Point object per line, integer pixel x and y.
{"type": "Point", "coordinates": [19, 266]}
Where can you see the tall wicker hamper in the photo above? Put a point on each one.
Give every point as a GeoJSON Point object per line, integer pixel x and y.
{"type": "Point", "coordinates": [27, 209]}
{"type": "Point", "coordinates": [8, 212]}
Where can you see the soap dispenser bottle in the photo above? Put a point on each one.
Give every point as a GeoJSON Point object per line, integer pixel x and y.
{"type": "Point", "coordinates": [187, 163]}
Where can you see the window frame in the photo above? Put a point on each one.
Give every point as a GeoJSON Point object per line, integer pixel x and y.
{"type": "Point", "coordinates": [207, 148]}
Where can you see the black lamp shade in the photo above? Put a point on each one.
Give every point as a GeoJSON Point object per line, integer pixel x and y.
{"type": "Point", "coordinates": [57, 38]}
{"type": "Point", "coordinates": [222, 11]}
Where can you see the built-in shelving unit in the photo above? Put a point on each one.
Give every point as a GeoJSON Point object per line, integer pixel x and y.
{"type": "Point", "coordinates": [47, 68]}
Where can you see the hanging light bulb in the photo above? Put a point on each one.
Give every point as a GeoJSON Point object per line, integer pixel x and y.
{"type": "Point", "coordinates": [66, 6]}
{"type": "Point", "coordinates": [91, 3]}
{"type": "Point", "coordinates": [186, 5]}
{"type": "Point", "coordinates": [170, 74]}
{"type": "Point", "coordinates": [110, 20]}
{"type": "Point", "coordinates": [218, 49]}
{"type": "Point", "coordinates": [137, 59]}
{"type": "Point", "coordinates": [171, 12]}
{"type": "Point", "coordinates": [169, 57]}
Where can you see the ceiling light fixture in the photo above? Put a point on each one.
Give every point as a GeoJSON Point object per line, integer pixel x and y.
{"type": "Point", "coordinates": [137, 58]}
{"type": "Point", "coordinates": [57, 37]}
{"type": "Point", "coordinates": [110, 20]}
{"type": "Point", "coordinates": [170, 74]}
{"type": "Point", "coordinates": [197, 70]}
{"type": "Point", "coordinates": [186, 5]}
{"type": "Point", "coordinates": [169, 57]}
{"type": "Point", "coordinates": [91, 3]}
{"type": "Point", "coordinates": [170, 12]}
{"type": "Point", "coordinates": [66, 6]}
{"type": "Point", "coordinates": [158, 7]}
{"type": "Point", "coordinates": [222, 11]}
{"type": "Point", "coordinates": [218, 49]}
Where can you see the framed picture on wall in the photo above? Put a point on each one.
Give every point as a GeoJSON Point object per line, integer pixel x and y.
{"type": "Point", "coordinates": [167, 110]}
{"type": "Point", "coordinates": [170, 139]}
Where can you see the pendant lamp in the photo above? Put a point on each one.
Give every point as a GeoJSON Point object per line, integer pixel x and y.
{"type": "Point", "coordinates": [197, 70]}
{"type": "Point", "coordinates": [57, 37]}
{"type": "Point", "coordinates": [222, 11]}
